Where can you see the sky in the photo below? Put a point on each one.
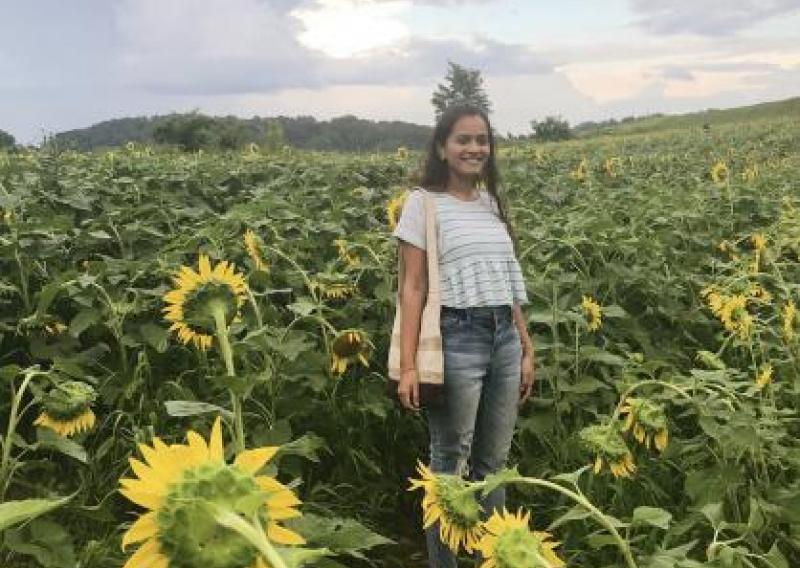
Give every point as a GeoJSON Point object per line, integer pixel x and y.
{"type": "Point", "coordinates": [68, 64]}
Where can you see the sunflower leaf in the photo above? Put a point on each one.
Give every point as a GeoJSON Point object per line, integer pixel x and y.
{"type": "Point", "coordinates": [15, 512]}
{"type": "Point", "coordinates": [495, 480]}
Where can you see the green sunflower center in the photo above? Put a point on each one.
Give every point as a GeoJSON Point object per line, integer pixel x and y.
{"type": "Point", "coordinates": [605, 440]}
{"type": "Point", "coordinates": [459, 504]}
{"type": "Point", "coordinates": [187, 531]}
{"type": "Point", "coordinates": [519, 548]}
{"type": "Point", "coordinates": [205, 301]}
{"type": "Point", "coordinates": [68, 400]}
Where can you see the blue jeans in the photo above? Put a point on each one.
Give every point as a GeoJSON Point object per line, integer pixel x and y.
{"type": "Point", "coordinates": [471, 431]}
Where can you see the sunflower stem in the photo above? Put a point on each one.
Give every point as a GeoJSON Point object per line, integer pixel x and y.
{"type": "Point", "coordinates": [254, 534]}
{"type": "Point", "coordinates": [227, 355]}
{"type": "Point", "coordinates": [598, 515]}
{"type": "Point", "coordinates": [6, 465]}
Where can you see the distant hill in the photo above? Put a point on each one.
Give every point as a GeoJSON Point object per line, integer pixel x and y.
{"type": "Point", "coordinates": [346, 133]}
{"type": "Point", "coordinates": [712, 117]}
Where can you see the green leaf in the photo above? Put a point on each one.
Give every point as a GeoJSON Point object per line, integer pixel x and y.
{"type": "Point", "coordinates": [14, 512]}
{"type": "Point", "coordinates": [193, 408]}
{"type": "Point", "coordinates": [573, 477]}
{"type": "Point", "coordinates": [46, 296]}
{"type": "Point", "coordinates": [341, 536]}
{"type": "Point", "coordinates": [296, 557]}
{"type": "Point", "coordinates": [614, 311]}
{"type": "Point", "coordinates": [82, 320]}
{"type": "Point", "coordinates": [652, 516]}
{"type": "Point", "coordinates": [9, 372]}
{"type": "Point", "coordinates": [775, 558]}
{"type": "Point", "coordinates": [591, 353]}
{"type": "Point", "coordinates": [495, 480]}
{"type": "Point", "coordinates": [49, 439]}
{"type": "Point", "coordinates": [307, 446]}
{"type": "Point", "coordinates": [576, 513]}
{"type": "Point", "coordinates": [155, 336]}
{"type": "Point", "coordinates": [46, 541]}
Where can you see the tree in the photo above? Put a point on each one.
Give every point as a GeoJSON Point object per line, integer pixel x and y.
{"type": "Point", "coordinates": [550, 129]}
{"type": "Point", "coordinates": [189, 131]}
{"type": "Point", "coordinates": [6, 140]}
{"type": "Point", "coordinates": [461, 86]}
{"type": "Point", "coordinates": [274, 137]}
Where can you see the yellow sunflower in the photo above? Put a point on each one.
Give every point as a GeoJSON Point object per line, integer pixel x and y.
{"type": "Point", "coordinates": [581, 171]}
{"type": "Point", "coordinates": [594, 313]}
{"type": "Point", "coordinates": [348, 257]}
{"type": "Point", "coordinates": [187, 488]}
{"type": "Point", "coordinates": [204, 301]}
{"type": "Point", "coordinates": [348, 347]}
{"type": "Point", "coordinates": [509, 543]}
{"type": "Point", "coordinates": [449, 500]}
{"type": "Point", "coordinates": [608, 446]}
{"type": "Point", "coordinates": [253, 246]}
{"type": "Point", "coordinates": [765, 376]}
{"type": "Point", "coordinates": [612, 166]}
{"type": "Point", "coordinates": [394, 208]}
{"type": "Point", "coordinates": [789, 317]}
{"type": "Point", "coordinates": [648, 422]}
{"type": "Point", "coordinates": [67, 408]}
{"type": "Point", "coordinates": [719, 172]}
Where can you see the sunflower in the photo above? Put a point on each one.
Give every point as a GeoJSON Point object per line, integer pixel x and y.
{"type": "Point", "coordinates": [789, 317]}
{"type": "Point", "coordinates": [509, 543]}
{"type": "Point", "coordinates": [731, 311]}
{"type": "Point", "coordinates": [203, 301]}
{"type": "Point", "coordinates": [333, 286]}
{"type": "Point", "coordinates": [605, 441]}
{"type": "Point", "coordinates": [759, 241]}
{"type": "Point", "coordinates": [579, 173]}
{"type": "Point", "coordinates": [648, 422]}
{"type": "Point", "coordinates": [594, 313]}
{"type": "Point", "coordinates": [612, 166]}
{"type": "Point", "coordinates": [253, 246]}
{"type": "Point", "coordinates": [402, 153]}
{"type": "Point", "coordinates": [68, 408]}
{"type": "Point", "coordinates": [764, 377]}
{"type": "Point", "coordinates": [759, 293]}
{"type": "Point", "coordinates": [186, 487]}
{"type": "Point", "coordinates": [394, 208]}
{"type": "Point", "coordinates": [719, 172]}
{"type": "Point", "coordinates": [451, 501]}
{"type": "Point", "coordinates": [348, 257]}
{"type": "Point", "coordinates": [349, 346]}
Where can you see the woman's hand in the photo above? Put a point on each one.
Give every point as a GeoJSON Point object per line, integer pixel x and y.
{"type": "Point", "coordinates": [408, 389]}
{"type": "Point", "coordinates": [527, 378]}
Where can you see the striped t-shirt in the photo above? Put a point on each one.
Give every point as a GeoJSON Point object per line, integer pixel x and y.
{"type": "Point", "coordinates": [477, 266]}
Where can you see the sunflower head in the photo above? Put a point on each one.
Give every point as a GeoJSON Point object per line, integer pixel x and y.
{"type": "Point", "coordinates": [759, 241]}
{"type": "Point", "coordinates": [593, 312]}
{"type": "Point", "coordinates": [394, 208]}
{"type": "Point", "coordinates": [333, 286]}
{"type": "Point", "coordinates": [509, 543]}
{"type": "Point", "coordinates": [204, 301]}
{"type": "Point", "coordinates": [451, 501]}
{"type": "Point", "coordinates": [648, 422]}
{"type": "Point", "coordinates": [606, 443]}
{"type": "Point", "coordinates": [252, 244]}
{"type": "Point", "coordinates": [764, 376]}
{"type": "Point", "coordinates": [719, 172]}
{"type": "Point", "coordinates": [581, 171]}
{"type": "Point", "coordinates": [343, 248]}
{"type": "Point", "coordinates": [402, 153]}
{"type": "Point", "coordinates": [187, 488]}
{"type": "Point", "coordinates": [612, 166]}
{"type": "Point", "coordinates": [348, 347]}
{"type": "Point", "coordinates": [67, 408]}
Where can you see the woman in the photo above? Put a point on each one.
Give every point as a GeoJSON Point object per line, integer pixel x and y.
{"type": "Point", "coordinates": [488, 354]}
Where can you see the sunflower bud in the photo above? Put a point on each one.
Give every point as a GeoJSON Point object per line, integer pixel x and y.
{"type": "Point", "coordinates": [67, 408]}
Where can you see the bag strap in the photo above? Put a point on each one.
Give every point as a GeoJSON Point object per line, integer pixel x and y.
{"type": "Point", "coordinates": [432, 250]}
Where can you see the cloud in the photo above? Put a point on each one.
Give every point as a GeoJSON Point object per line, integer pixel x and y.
{"type": "Point", "coordinates": [186, 48]}
{"type": "Point", "coordinates": [708, 17]}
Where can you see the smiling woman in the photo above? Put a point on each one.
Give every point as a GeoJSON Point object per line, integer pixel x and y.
{"type": "Point", "coordinates": [367, 25]}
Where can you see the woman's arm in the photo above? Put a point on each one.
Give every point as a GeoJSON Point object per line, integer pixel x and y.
{"type": "Point", "coordinates": [526, 374]}
{"type": "Point", "coordinates": [413, 292]}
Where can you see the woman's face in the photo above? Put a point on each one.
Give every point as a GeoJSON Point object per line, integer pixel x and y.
{"type": "Point", "coordinates": [466, 150]}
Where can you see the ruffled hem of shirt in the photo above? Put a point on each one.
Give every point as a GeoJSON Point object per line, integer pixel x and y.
{"type": "Point", "coordinates": [476, 283]}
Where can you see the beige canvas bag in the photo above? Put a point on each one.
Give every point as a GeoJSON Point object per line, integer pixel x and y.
{"type": "Point", "coordinates": [430, 359]}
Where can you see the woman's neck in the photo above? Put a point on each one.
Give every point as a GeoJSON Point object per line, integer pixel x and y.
{"type": "Point", "coordinates": [464, 187]}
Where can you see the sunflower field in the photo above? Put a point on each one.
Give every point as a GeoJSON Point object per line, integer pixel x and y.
{"type": "Point", "coordinates": [193, 349]}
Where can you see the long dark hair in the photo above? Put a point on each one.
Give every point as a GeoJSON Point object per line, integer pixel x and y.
{"type": "Point", "coordinates": [435, 173]}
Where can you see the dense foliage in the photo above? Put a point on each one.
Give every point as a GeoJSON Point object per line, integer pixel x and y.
{"type": "Point", "coordinates": [194, 130]}
{"type": "Point", "coordinates": [661, 269]}
{"type": "Point", "coordinates": [6, 140]}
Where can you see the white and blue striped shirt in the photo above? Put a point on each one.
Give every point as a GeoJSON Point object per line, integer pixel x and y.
{"type": "Point", "coordinates": [477, 266]}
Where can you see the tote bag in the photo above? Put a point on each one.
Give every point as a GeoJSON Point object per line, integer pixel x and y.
{"type": "Point", "coordinates": [430, 359]}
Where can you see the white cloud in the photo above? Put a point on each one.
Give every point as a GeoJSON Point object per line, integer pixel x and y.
{"type": "Point", "coordinates": [343, 28]}
{"type": "Point", "coordinates": [708, 17]}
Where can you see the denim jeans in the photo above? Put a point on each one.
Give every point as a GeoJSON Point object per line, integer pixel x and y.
{"type": "Point", "coordinates": [471, 431]}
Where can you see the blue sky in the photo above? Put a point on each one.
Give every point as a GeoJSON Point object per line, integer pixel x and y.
{"type": "Point", "coordinates": [70, 64]}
